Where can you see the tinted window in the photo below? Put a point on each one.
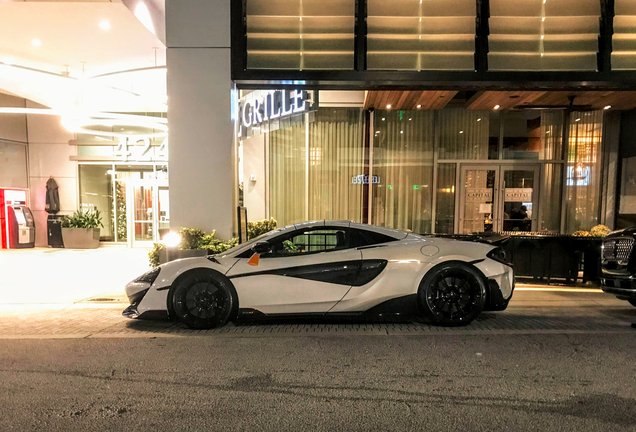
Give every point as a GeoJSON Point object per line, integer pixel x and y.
{"type": "Point", "coordinates": [361, 238]}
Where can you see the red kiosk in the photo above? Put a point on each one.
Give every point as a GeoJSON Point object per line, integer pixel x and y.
{"type": "Point", "coordinates": [17, 226]}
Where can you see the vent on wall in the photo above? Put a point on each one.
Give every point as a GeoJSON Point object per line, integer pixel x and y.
{"type": "Point", "coordinates": [543, 34]}
{"type": "Point", "coordinates": [624, 39]}
{"type": "Point", "coordinates": [300, 34]}
{"type": "Point", "coordinates": [421, 34]}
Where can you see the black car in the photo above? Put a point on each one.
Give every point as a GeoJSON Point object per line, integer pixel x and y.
{"type": "Point", "coordinates": [618, 264]}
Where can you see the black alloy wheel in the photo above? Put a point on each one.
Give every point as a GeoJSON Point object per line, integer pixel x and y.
{"type": "Point", "coordinates": [203, 300]}
{"type": "Point", "coordinates": [452, 294]}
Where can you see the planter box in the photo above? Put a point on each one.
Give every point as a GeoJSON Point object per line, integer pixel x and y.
{"type": "Point", "coordinates": [171, 254]}
{"type": "Point", "coordinates": [80, 238]}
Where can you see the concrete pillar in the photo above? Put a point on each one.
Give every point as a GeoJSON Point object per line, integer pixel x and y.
{"type": "Point", "coordinates": [199, 107]}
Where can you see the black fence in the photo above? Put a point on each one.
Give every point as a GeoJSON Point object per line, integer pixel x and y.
{"type": "Point", "coordinates": [548, 258]}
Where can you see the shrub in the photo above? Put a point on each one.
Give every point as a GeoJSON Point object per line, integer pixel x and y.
{"type": "Point", "coordinates": [599, 231]}
{"type": "Point", "coordinates": [83, 219]}
{"type": "Point", "coordinates": [254, 229]}
{"type": "Point", "coordinates": [194, 238]}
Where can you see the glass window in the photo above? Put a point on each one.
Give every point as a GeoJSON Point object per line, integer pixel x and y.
{"type": "Point", "coordinates": [96, 193]}
{"type": "Point", "coordinates": [550, 204]}
{"type": "Point", "coordinates": [465, 134]}
{"type": "Point", "coordinates": [421, 35]}
{"type": "Point", "coordinates": [532, 134]}
{"type": "Point", "coordinates": [310, 241]}
{"type": "Point", "coordinates": [300, 34]}
{"type": "Point", "coordinates": [583, 176]}
{"type": "Point", "coordinates": [402, 177]}
{"type": "Point", "coordinates": [543, 35]}
{"type": "Point", "coordinates": [445, 216]}
{"type": "Point", "coordinates": [624, 38]}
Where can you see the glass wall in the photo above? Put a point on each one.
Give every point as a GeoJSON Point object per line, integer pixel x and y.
{"type": "Point", "coordinates": [403, 163]}
{"type": "Point", "coordinates": [314, 167]}
{"type": "Point", "coordinates": [104, 187]}
{"type": "Point", "coordinates": [623, 39]}
{"type": "Point", "coordinates": [96, 193]}
{"type": "Point", "coordinates": [583, 185]}
{"type": "Point", "coordinates": [417, 167]}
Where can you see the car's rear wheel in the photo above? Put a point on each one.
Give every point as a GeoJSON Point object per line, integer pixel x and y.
{"type": "Point", "coordinates": [203, 300]}
{"type": "Point", "coordinates": [632, 302]}
{"type": "Point", "coordinates": [452, 294]}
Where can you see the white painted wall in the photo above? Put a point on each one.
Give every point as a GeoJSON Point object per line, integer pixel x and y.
{"type": "Point", "coordinates": [199, 105]}
{"type": "Point", "coordinates": [49, 154]}
{"type": "Point", "coordinates": [254, 164]}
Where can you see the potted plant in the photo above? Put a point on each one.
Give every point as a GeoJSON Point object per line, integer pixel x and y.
{"type": "Point", "coordinates": [81, 230]}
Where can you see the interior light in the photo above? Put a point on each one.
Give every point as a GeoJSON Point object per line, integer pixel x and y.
{"type": "Point", "coordinates": [607, 107]}
{"type": "Point", "coordinates": [388, 106]}
{"type": "Point", "coordinates": [36, 42]}
{"type": "Point", "coordinates": [497, 107]}
{"type": "Point", "coordinates": [479, 119]}
{"type": "Point", "coordinates": [410, 119]}
{"type": "Point", "coordinates": [461, 132]}
{"type": "Point", "coordinates": [578, 119]}
{"type": "Point", "coordinates": [383, 119]}
{"type": "Point", "coordinates": [401, 132]}
{"type": "Point", "coordinates": [419, 106]}
{"type": "Point", "coordinates": [104, 25]}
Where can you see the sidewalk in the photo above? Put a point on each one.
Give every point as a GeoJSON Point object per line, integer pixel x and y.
{"type": "Point", "coordinates": [57, 278]}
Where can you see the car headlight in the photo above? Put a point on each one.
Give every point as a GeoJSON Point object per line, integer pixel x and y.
{"type": "Point", "coordinates": [499, 255]}
{"type": "Point", "coordinates": [149, 276]}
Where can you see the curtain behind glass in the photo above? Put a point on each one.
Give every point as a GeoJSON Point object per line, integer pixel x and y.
{"type": "Point", "coordinates": [336, 155]}
{"type": "Point", "coordinates": [403, 160]}
{"type": "Point", "coordinates": [551, 135]}
{"type": "Point", "coordinates": [445, 217]}
{"type": "Point", "coordinates": [583, 171]}
{"type": "Point", "coordinates": [464, 134]}
{"type": "Point", "coordinates": [550, 205]}
{"type": "Point", "coordinates": [287, 174]}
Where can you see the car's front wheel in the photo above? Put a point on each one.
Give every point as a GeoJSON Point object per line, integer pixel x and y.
{"type": "Point", "coordinates": [203, 300]}
{"type": "Point", "coordinates": [452, 294]}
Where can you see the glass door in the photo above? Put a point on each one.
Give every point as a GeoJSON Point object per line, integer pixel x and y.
{"type": "Point", "coordinates": [148, 211]}
{"type": "Point", "coordinates": [519, 198]}
{"type": "Point", "coordinates": [479, 187]}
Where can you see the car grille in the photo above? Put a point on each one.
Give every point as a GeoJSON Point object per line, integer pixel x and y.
{"type": "Point", "coordinates": [618, 250]}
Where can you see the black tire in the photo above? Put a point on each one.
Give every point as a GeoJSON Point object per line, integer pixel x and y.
{"type": "Point", "coordinates": [452, 294]}
{"type": "Point", "coordinates": [202, 299]}
{"type": "Point", "coordinates": [632, 302]}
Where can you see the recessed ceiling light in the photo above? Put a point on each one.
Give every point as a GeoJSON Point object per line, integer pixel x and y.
{"type": "Point", "coordinates": [36, 42]}
{"type": "Point", "coordinates": [578, 119]}
{"type": "Point", "coordinates": [401, 132]}
{"type": "Point", "coordinates": [497, 107]}
{"type": "Point", "coordinates": [479, 119]}
{"type": "Point", "coordinates": [388, 106]}
{"type": "Point", "coordinates": [383, 119]}
{"type": "Point", "coordinates": [419, 106]}
{"type": "Point", "coordinates": [461, 132]}
{"type": "Point", "coordinates": [410, 119]}
{"type": "Point", "coordinates": [607, 107]}
{"type": "Point", "coordinates": [104, 25]}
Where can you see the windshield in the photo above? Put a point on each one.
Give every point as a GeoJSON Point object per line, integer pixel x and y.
{"type": "Point", "coordinates": [248, 244]}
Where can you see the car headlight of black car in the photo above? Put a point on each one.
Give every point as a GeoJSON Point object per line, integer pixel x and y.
{"type": "Point", "coordinates": [499, 255]}
{"type": "Point", "coordinates": [149, 276]}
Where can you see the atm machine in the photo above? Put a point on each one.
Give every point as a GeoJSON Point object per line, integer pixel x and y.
{"type": "Point", "coordinates": [16, 220]}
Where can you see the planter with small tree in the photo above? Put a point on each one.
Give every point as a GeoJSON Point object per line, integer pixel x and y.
{"type": "Point", "coordinates": [81, 230]}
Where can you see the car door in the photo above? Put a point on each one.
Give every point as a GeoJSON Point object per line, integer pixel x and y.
{"type": "Point", "coordinates": [308, 271]}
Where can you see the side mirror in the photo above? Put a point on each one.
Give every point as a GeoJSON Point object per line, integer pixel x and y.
{"type": "Point", "coordinates": [261, 248]}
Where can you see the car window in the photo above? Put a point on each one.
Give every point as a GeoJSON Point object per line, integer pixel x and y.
{"type": "Point", "coordinates": [361, 238]}
{"type": "Point", "coordinates": [310, 241]}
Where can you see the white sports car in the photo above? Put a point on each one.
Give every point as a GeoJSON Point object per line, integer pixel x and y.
{"type": "Point", "coordinates": [329, 268]}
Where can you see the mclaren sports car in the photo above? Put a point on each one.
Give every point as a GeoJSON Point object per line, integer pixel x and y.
{"type": "Point", "coordinates": [329, 268]}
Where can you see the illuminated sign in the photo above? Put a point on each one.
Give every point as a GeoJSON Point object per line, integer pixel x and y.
{"type": "Point", "coordinates": [279, 103]}
{"type": "Point", "coordinates": [364, 179]}
{"type": "Point", "coordinates": [266, 107]}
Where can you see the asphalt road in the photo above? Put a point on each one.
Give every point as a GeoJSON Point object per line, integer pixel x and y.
{"type": "Point", "coordinates": [445, 382]}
